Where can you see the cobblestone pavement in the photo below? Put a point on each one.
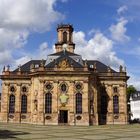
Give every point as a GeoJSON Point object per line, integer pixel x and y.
{"type": "Point", "coordinates": [38, 132]}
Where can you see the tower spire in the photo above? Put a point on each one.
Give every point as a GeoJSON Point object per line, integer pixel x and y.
{"type": "Point", "coordinates": [65, 32]}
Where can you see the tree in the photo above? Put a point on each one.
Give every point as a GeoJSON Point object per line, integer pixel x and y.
{"type": "Point", "coordinates": [130, 90]}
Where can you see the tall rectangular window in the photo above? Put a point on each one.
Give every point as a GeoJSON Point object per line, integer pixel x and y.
{"type": "Point", "coordinates": [48, 103]}
{"type": "Point", "coordinates": [78, 103]}
{"type": "Point", "coordinates": [24, 104]}
{"type": "Point", "coordinates": [115, 104]}
{"type": "Point", "coordinates": [12, 104]}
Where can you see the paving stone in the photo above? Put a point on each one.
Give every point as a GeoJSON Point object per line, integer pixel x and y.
{"type": "Point", "coordinates": [10, 131]}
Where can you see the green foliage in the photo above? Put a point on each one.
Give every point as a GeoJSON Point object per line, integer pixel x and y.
{"type": "Point", "coordinates": [130, 90]}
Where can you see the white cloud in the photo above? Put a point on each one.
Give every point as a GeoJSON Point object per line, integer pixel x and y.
{"type": "Point", "coordinates": [22, 60]}
{"type": "Point", "coordinates": [44, 50]}
{"type": "Point", "coordinates": [5, 56]}
{"type": "Point", "coordinates": [122, 9]}
{"type": "Point", "coordinates": [79, 39]}
{"type": "Point", "coordinates": [99, 47]}
{"type": "Point", "coordinates": [12, 38]}
{"type": "Point", "coordinates": [40, 53]}
{"type": "Point", "coordinates": [93, 31]}
{"type": "Point", "coordinates": [20, 18]}
{"type": "Point", "coordinates": [33, 15]}
{"type": "Point", "coordinates": [119, 30]}
{"type": "Point", "coordinates": [135, 81]}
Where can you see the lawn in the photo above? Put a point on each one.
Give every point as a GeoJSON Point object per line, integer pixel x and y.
{"type": "Point", "coordinates": [38, 132]}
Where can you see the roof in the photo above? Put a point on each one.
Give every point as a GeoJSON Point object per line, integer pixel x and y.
{"type": "Point", "coordinates": [26, 66]}
{"type": "Point", "coordinates": [62, 57]}
{"type": "Point", "coordinates": [72, 58]}
{"type": "Point", "coordinates": [64, 53]}
{"type": "Point", "coordinates": [100, 67]}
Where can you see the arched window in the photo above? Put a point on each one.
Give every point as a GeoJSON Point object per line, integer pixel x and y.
{"type": "Point", "coordinates": [12, 104]}
{"type": "Point", "coordinates": [78, 103]}
{"type": "Point", "coordinates": [23, 104]}
{"type": "Point", "coordinates": [48, 103]}
{"type": "Point", "coordinates": [64, 37]}
{"type": "Point", "coordinates": [115, 104]}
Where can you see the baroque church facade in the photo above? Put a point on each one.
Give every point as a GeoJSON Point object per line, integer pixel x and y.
{"type": "Point", "coordinates": [64, 89]}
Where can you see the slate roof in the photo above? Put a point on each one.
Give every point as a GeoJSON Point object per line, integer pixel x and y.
{"type": "Point", "coordinates": [62, 57]}
{"type": "Point", "coordinates": [136, 96]}
{"type": "Point", "coordinates": [71, 57]}
{"type": "Point", "coordinates": [99, 65]}
{"type": "Point", "coordinates": [26, 66]}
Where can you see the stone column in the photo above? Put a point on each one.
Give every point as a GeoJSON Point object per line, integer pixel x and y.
{"type": "Point", "coordinates": [4, 102]}
{"type": "Point", "coordinates": [34, 98]}
{"type": "Point", "coordinates": [95, 105]}
{"type": "Point", "coordinates": [123, 104]}
{"type": "Point", "coordinates": [72, 115]}
{"type": "Point", "coordinates": [110, 118]}
{"type": "Point", "coordinates": [40, 101]}
{"type": "Point", "coordinates": [85, 105]}
{"type": "Point", "coordinates": [54, 116]}
{"type": "Point", "coordinates": [17, 118]}
{"type": "Point", "coordinates": [29, 104]}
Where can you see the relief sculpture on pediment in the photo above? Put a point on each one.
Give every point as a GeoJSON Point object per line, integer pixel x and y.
{"type": "Point", "coordinates": [64, 64]}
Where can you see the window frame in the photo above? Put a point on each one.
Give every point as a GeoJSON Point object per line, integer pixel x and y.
{"type": "Point", "coordinates": [116, 104]}
{"type": "Point", "coordinates": [78, 103]}
{"type": "Point", "coordinates": [24, 103]}
{"type": "Point", "coordinates": [12, 104]}
{"type": "Point", "coordinates": [48, 103]}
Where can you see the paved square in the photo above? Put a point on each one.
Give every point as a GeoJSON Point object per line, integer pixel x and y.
{"type": "Point", "coordinates": [38, 132]}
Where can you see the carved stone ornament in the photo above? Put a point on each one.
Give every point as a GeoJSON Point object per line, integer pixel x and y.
{"type": "Point", "coordinates": [41, 80]}
{"type": "Point", "coordinates": [36, 93]}
{"type": "Point", "coordinates": [116, 116]}
{"type": "Point", "coordinates": [35, 105]}
{"type": "Point", "coordinates": [63, 99]}
{"type": "Point", "coordinates": [23, 116]}
{"type": "Point", "coordinates": [12, 89]}
{"type": "Point", "coordinates": [78, 86]}
{"type": "Point", "coordinates": [63, 87]}
{"type": "Point", "coordinates": [78, 117]}
{"type": "Point", "coordinates": [48, 86]}
{"type": "Point", "coordinates": [48, 117]}
{"type": "Point", "coordinates": [11, 116]}
{"type": "Point", "coordinates": [63, 64]}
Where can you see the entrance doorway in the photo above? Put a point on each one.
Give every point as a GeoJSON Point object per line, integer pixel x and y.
{"type": "Point", "coordinates": [63, 116]}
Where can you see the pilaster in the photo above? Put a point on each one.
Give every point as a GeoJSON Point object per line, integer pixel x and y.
{"type": "Point", "coordinates": [17, 103]}
{"type": "Point", "coordinates": [110, 105]}
{"type": "Point", "coordinates": [4, 102]}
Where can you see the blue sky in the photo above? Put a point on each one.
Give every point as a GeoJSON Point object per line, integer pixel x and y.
{"type": "Point", "coordinates": [105, 30]}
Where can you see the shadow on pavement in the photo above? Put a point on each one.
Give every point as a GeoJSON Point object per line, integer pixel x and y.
{"type": "Point", "coordinates": [4, 134]}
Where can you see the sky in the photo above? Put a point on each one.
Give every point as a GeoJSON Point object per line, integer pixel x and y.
{"type": "Point", "coordinates": [104, 30]}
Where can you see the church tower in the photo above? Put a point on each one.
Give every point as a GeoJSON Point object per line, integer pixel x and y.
{"type": "Point", "coordinates": [65, 40]}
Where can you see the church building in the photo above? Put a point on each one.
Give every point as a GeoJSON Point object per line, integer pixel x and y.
{"type": "Point", "coordinates": [64, 89]}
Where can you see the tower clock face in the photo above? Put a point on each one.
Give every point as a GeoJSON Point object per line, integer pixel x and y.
{"type": "Point", "coordinates": [64, 46]}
